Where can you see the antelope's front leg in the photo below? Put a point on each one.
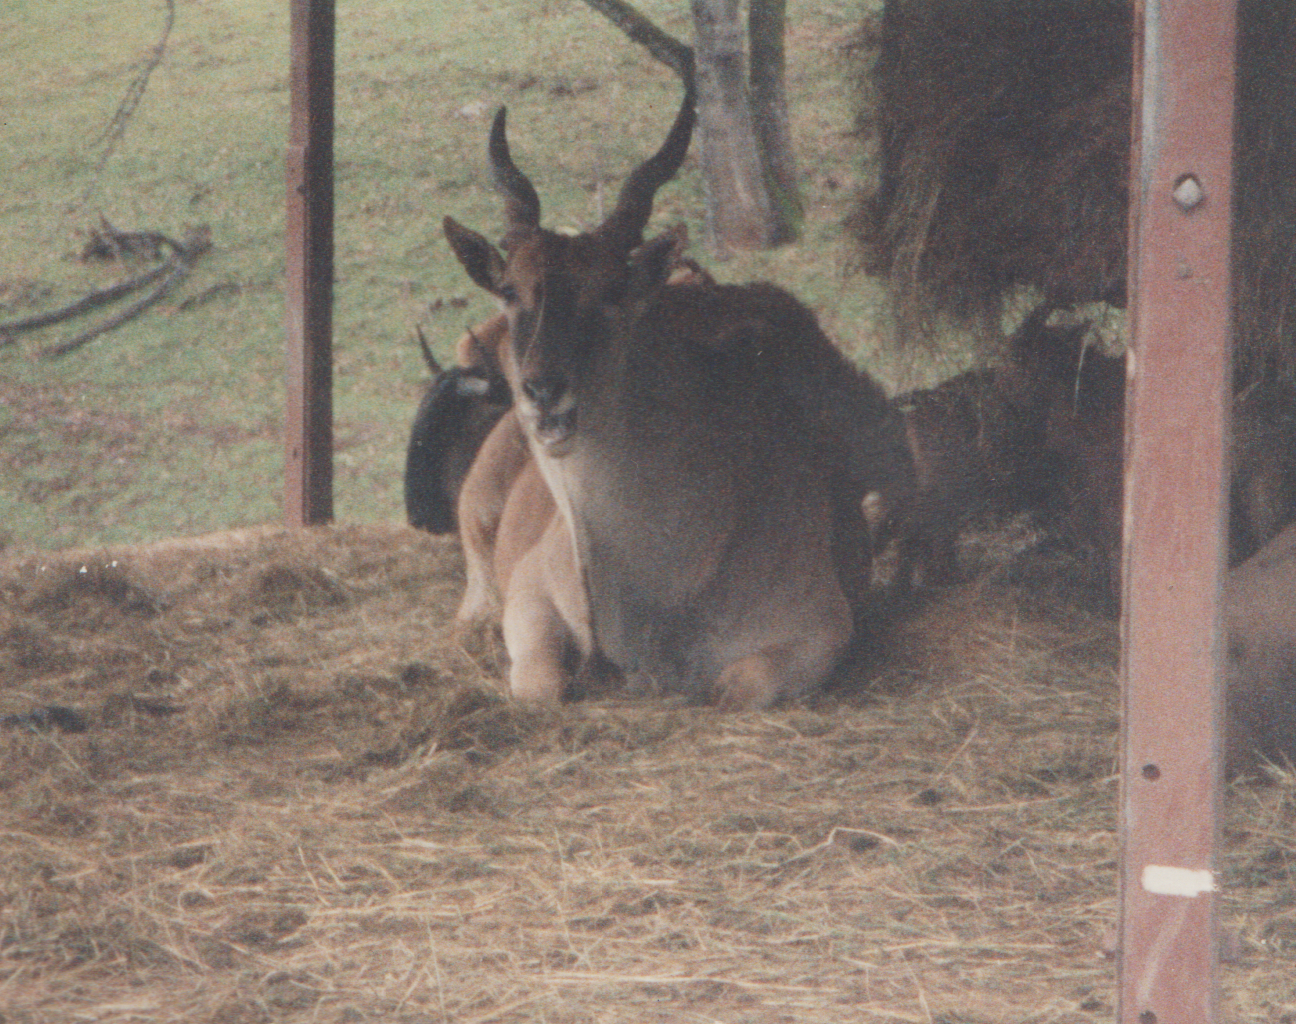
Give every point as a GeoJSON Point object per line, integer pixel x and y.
{"type": "Point", "coordinates": [546, 619]}
{"type": "Point", "coordinates": [500, 461]}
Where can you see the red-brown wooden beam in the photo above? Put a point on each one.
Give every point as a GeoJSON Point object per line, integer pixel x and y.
{"type": "Point", "coordinates": [308, 457]}
{"type": "Point", "coordinates": [1175, 508]}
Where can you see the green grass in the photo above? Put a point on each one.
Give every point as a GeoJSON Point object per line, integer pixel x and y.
{"type": "Point", "coordinates": [172, 424]}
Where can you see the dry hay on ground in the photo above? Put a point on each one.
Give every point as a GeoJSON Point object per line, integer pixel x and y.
{"type": "Point", "coordinates": [299, 796]}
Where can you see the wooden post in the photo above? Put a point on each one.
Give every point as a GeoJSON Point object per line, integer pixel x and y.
{"type": "Point", "coordinates": [308, 457]}
{"type": "Point", "coordinates": [1175, 508]}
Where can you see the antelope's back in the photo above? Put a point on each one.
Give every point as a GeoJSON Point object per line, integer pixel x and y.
{"type": "Point", "coordinates": [719, 435]}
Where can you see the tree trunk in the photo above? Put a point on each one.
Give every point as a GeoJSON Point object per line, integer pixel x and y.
{"type": "Point", "coordinates": [747, 158]}
{"type": "Point", "coordinates": [739, 212]}
{"type": "Point", "coordinates": [770, 114]}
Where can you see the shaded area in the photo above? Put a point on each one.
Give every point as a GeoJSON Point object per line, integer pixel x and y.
{"type": "Point", "coordinates": [1004, 145]}
{"type": "Point", "coordinates": [1004, 138]}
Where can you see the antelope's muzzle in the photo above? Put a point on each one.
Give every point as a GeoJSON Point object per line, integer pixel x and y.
{"type": "Point", "coordinates": [552, 409]}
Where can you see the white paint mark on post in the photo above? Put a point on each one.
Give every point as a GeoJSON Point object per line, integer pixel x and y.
{"type": "Point", "coordinates": [1171, 881]}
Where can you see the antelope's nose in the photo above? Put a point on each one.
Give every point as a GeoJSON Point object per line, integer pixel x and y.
{"type": "Point", "coordinates": [545, 392]}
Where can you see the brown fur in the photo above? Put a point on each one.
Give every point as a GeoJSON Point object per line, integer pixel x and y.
{"type": "Point", "coordinates": [497, 525]}
{"type": "Point", "coordinates": [946, 430]}
{"type": "Point", "coordinates": [1069, 402]}
{"type": "Point", "coordinates": [483, 346]}
{"type": "Point", "coordinates": [483, 501]}
{"type": "Point", "coordinates": [1077, 394]}
{"type": "Point", "coordinates": [706, 447]}
{"type": "Point", "coordinates": [1263, 487]}
{"type": "Point", "coordinates": [1260, 615]}
{"type": "Point", "coordinates": [1085, 435]}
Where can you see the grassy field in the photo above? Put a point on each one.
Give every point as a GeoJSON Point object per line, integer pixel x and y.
{"type": "Point", "coordinates": [173, 423]}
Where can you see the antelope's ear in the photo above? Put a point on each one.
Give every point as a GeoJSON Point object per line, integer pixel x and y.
{"type": "Point", "coordinates": [482, 260]}
{"type": "Point", "coordinates": [651, 264]}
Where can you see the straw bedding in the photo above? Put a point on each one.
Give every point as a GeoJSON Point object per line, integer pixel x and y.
{"type": "Point", "coordinates": [284, 788]}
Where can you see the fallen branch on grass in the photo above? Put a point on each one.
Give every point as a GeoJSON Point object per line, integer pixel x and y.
{"type": "Point", "coordinates": [97, 298]}
{"type": "Point", "coordinates": [176, 269]}
{"type": "Point", "coordinates": [107, 243]}
{"type": "Point", "coordinates": [168, 274]}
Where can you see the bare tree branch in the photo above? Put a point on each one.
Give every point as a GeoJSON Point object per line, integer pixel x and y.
{"type": "Point", "coordinates": [176, 268]}
{"type": "Point", "coordinates": [662, 45]}
{"type": "Point", "coordinates": [117, 125]}
{"type": "Point", "coordinates": [109, 240]}
{"type": "Point", "coordinates": [95, 299]}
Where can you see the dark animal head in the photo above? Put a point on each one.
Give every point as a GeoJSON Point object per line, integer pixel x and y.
{"type": "Point", "coordinates": [1070, 400]}
{"type": "Point", "coordinates": [458, 410]}
{"type": "Point", "coordinates": [561, 293]}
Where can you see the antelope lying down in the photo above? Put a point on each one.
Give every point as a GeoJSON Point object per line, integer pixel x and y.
{"type": "Point", "coordinates": [705, 448]}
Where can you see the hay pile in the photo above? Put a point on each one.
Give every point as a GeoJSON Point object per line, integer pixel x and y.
{"type": "Point", "coordinates": [297, 795]}
{"type": "Point", "coordinates": [1004, 144]}
{"type": "Point", "coordinates": [1264, 200]}
{"type": "Point", "coordinates": [1003, 136]}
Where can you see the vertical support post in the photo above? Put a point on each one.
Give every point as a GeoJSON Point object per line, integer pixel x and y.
{"type": "Point", "coordinates": [308, 461]}
{"type": "Point", "coordinates": [1175, 508]}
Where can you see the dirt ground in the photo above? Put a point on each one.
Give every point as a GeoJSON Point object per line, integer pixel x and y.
{"type": "Point", "coordinates": [272, 783]}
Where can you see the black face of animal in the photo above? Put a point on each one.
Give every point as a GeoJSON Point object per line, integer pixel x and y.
{"type": "Point", "coordinates": [561, 293]}
{"type": "Point", "coordinates": [458, 410]}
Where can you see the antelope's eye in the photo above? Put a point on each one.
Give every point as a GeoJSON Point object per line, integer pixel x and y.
{"type": "Point", "coordinates": [508, 293]}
